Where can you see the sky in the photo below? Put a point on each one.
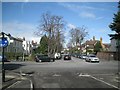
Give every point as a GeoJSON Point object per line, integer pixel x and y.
{"type": "Point", "coordinates": [21, 19]}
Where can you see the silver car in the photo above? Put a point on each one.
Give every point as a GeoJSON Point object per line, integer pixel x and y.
{"type": "Point", "coordinates": [92, 58]}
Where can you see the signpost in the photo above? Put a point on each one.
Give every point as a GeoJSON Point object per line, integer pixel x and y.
{"type": "Point", "coordinates": [3, 43]}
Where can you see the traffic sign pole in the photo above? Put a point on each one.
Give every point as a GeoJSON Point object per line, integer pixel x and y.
{"type": "Point", "coordinates": [3, 65]}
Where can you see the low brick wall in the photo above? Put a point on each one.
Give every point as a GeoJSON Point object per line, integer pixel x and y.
{"type": "Point", "coordinates": [108, 55]}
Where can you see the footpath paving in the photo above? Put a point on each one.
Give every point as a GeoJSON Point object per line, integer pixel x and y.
{"type": "Point", "coordinates": [15, 80]}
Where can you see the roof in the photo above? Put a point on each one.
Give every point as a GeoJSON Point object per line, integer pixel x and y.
{"type": "Point", "coordinates": [91, 42]}
{"type": "Point", "coordinates": [18, 39]}
{"type": "Point", "coordinates": [106, 45]}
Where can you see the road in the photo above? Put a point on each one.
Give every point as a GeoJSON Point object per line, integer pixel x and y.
{"type": "Point", "coordinates": [75, 73]}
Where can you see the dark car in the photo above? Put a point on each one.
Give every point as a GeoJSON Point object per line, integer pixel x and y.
{"type": "Point", "coordinates": [43, 58]}
{"type": "Point", "coordinates": [67, 57]}
{"type": "Point", "coordinates": [78, 55]}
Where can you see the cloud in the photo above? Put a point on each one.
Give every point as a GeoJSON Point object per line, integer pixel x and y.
{"type": "Point", "coordinates": [70, 26]}
{"type": "Point", "coordinates": [98, 18]}
{"type": "Point", "coordinates": [76, 8]}
{"type": "Point", "coordinates": [87, 15]}
{"type": "Point", "coordinates": [83, 11]}
{"type": "Point", "coordinates": [19, 29]}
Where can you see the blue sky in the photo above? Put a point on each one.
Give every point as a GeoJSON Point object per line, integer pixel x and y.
{"type": "Point", "coordinates": [22, 19]}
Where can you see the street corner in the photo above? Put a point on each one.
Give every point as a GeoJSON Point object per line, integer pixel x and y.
{"type": "Point", "coordinates": [11, 79]}
{"type": "Point", "coordinates": [21, 84]}
{"type": "Point", "coordinates": [13, 82]}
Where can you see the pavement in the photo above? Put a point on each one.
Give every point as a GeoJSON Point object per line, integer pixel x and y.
{"type": "Point", "coordinates": [16, 80]}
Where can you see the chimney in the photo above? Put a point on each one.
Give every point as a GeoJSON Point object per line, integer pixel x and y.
{"type": "Point", "coordinates": [93, 38]}
{"type": "Point", "coordinates": [100, 39]}
{"type": "Point", "coordinates": [24, 38]}
{"type": "Point", "coordinates": [32, 41]}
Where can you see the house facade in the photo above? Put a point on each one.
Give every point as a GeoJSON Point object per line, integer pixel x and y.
{"type": "Point", "coordinates": [113, 45]}
{"type": "Point", "coordinates": [27, 47]}
{"type": "Point", "coordinates": [89, 45]}
{"type": "Point", "coordinates": [15, 46]}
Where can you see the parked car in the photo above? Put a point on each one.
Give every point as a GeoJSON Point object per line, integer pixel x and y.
{"type": "Point", "coordinates": [92, 58]}
{"type": "Point", "coordinates": [83, 56]}
{"type": "Point", "coordinates": [43, 58]}
{"type": "Point", "coordinates": [73, 54]}
{"type": "Point", "coordinates": [67, 57]}
{"type": "Point", "coordinates": [78, 55]}
{"type": "Point", "coordinates": [5, 59]}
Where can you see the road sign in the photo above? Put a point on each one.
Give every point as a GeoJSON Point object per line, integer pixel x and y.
{"type": "Point", "coordinates": [3, 42]}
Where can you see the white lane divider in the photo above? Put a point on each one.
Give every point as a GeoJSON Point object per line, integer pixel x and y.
{"type": "Point", "coordinates": [86, 75]}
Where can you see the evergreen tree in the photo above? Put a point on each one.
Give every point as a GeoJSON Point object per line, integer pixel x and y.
{"type": "Point", "coordinates": [43, 45]}
{"type": "Point", "coordinates": [115, 25]}
{"type": "Point", "coordinates": [97, 47]}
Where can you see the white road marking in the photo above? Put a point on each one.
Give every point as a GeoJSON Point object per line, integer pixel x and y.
{"type": "Point", "coordinates": [23, 74]}
{"type": "Point", "coordinates": [104, 82]}
{"type": "Point", "coordinates": [14, 84]}
{"type": "Point", "coordinates": [86, 75]}
{"type": "Point", "coordinates": [103, 74]}
{"type": "Point", "coordinates": [31, 85]}
{"type": "Point", "coordinates": [56, 75]}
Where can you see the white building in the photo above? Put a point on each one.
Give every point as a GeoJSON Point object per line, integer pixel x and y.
{"type": "Point", "coordinates": [113, 45]}
{"type": "Point", "coordinates": [27, 47]}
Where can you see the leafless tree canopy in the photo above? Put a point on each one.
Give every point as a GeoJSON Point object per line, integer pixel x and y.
{"type": "Point", "coordinates": [77, 35]}
{"type": "Point", "coordinates": [52, 26]}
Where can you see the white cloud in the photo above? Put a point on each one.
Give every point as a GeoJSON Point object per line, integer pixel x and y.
{"type": "Point", "coordinates": [70, 26]}
{"type": "Point", "coordinates": [99, 18]}
{"type": "Point", "coordinates": [84, 11]}
{"type": "Point", "coordinates": [18, 29]}
{"type": "Point", "coordinates": [76, 8]}
{"type": "Point", "coordinates": [87, 15]}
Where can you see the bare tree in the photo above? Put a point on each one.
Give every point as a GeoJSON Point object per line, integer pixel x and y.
{"type": "Point", "coordinates": [52, 26]}
{"type": "Point", "coordinates": [77, 36]}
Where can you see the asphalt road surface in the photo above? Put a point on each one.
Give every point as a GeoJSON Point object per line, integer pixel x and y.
{"type": "Point", "coordinates": [75, 73]}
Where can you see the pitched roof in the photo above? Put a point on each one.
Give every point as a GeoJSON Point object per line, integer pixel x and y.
{"type": "Point", "coordinates": [106, 45]}
{"type": "Point", "coordinates": [91, 42]}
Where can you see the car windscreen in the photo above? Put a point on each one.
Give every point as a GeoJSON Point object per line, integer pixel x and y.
{"type": "Point", "coordinates": [41, 56]}
{"type": "Point", "coordinates": [92, 56]}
